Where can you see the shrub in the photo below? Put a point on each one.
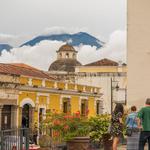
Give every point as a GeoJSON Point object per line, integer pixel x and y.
{"type": "Point", "coordinates": [99, 128]}
{"type": "Point", "coordinates": [67, 126]}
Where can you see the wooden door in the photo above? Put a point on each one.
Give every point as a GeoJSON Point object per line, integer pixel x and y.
{"type": "Point", "coordinates": [6, 117]}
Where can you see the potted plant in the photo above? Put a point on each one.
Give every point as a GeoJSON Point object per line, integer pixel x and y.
{"type": "Point", "coordinates": [99, 131]}
{"type": "Point", "coordinates": [70, 128]}
{"type": "Point", "coordinates": [45, 142]}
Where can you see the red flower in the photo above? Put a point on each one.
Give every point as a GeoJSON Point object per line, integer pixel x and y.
{"type": "Point", "coordinates": [68, 117]}
{"type": "Point", "coordinates": [77, 114]}
{"type": "Point", "coordinates": [56, 133]}
{"type": "Point", "coordinates": [56, 122]}
{"type": "Point", "coordinates": [66, 127]}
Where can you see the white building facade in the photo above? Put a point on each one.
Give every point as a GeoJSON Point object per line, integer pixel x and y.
{"type": "Point", "coordinates": [108, 75]}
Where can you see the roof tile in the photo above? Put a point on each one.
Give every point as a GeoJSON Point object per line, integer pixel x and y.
{"type": "Point", "coordinates": [103, 62]}
{"type": "Point", "coordinates": [22, 69]}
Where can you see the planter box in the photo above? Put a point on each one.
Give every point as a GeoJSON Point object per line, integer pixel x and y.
{"type": "Point", "coordinates": [79, 143]}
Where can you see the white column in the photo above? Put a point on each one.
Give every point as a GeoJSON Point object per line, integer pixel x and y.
{"type": "Point", "coordinates": [30, 82]}
{"type": "Point", "coordinates": [66, 86]}
{"type": "Point", "coordinates": [14, 116]}
{"type": "Point", "coordinates": [79, 104]}
{"type": "Point", "coordinates": [43, 83]}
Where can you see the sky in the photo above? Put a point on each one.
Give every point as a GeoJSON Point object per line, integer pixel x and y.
{"type": "Point", "coordinates": [21, 20]}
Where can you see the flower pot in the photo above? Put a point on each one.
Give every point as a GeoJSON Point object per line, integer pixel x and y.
{"type": "Point", "coordinates": [44, 148]}
{"type": "Point", "coordinates": [108, 144]}
{"type": "Point", "coordinates": [45, 142]}
{"type": "Point", "coordinates": [79, 143]}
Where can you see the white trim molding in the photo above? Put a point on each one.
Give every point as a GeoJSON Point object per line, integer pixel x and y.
{"type": "Point", "coordinates": [65, 96]}
{"type": "Point", "coordinates": [83, 97]}
{"type": "Point", "coordinates": [27, 101]}
{"type": "Point", "coordinates": [30, 82]}
{"type": "Point", "coordinates": [43, 106]}
{"type": "Point", "coordinates": [48, 100]}
{"type": "Point", "coordinates": [79, 104]}
{"type": "Point", "coordinates": [42, 94]}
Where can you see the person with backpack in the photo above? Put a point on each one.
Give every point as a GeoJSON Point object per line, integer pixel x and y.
{"type": "Point", "coordinates": [132, 126]}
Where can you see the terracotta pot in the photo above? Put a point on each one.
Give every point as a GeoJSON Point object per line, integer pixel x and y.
{"type": "Point", "coordinates": [44, 148]}
{"type": "Point", "coordinates": [108, 144]}
{"type": "Point", "coordinates": [79, 143]}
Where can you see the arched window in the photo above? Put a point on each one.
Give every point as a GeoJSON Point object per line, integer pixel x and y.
{"type": "Point", "coordinates": [60, 55]}
{"type": "Point", "coordinates": [74, 55]}
{"type": "Point", "coordinates": [67, 55]}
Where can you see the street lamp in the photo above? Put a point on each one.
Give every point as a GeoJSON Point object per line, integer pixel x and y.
{"type": "Point", "coordinates": [125, 95]}
{"type": "Point", "coordinates": [112, 88]}
{"type": "Point", "coordinates": [117, 89]}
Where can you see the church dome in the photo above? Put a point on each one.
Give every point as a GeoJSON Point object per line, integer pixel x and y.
{"type": "Point", "coordinates": [66, 59]}
{"type": "Point", "coordinates": [66, 47]}
{"type": "Point", "coordinates": [67, 65]}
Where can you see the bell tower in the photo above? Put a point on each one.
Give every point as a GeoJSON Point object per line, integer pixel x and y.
{"type": "Point", "coordinates": [66, 52]}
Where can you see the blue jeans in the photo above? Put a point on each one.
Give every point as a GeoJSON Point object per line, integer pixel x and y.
{"type": "Point", "coordinates": [144, 137]}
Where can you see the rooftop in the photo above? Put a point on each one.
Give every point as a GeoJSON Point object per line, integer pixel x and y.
{"type": "Point", "coordinates": [22, 69]}
{"type": "Point", "coordinates": [103, 62]}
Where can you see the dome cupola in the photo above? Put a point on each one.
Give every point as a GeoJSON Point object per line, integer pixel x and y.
{"type": "Point", "coordinates": [66, 59]}
{"type": "Point", "coordinates": [66, 52]}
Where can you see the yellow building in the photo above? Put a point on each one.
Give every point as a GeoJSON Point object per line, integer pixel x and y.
{"type": "Point", "coordinates": [28, 93]}
{"type": "Point", "coordinates": [103, 73]}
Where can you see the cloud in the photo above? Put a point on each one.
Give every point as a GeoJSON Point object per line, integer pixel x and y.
{"type": "Point", "coordinates": [61, 30]}
{"type": "Point", "coordinates": [39, 56]}
{"type": "Point", "coordinates": [6, 38]}
{"type": "Point", "coordinates": [44, 53]}
{"type": "Point", "coordinates": [13, 40]}
{"type": "Point", "coordinates": [114, 49]}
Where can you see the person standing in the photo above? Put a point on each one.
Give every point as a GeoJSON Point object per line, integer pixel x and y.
{"type": "Point", "coordinates": [117, 125]}
{"type": "Point", "coordinates": [131, 123]}
{"type": "Point", "coordinates": [144, 120]}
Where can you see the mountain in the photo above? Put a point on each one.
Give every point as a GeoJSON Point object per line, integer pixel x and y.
{"type": "Point", "coordinates": [5, 46]}
{"type": "Point", "coordinates": [73, 39]}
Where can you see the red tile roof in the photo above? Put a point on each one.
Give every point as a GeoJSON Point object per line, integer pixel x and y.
{"type": "Point", "coordinates": [23, 69]}
{"type": "Point", "coordinates": [24, 65]}
{"type": "Point", "coordinates": [103, 62]}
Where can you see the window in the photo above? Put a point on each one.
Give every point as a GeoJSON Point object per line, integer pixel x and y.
{"type": "Point", "coordinates": [66, 105]}
{"type": "Point", "coordinates": [41, 114]}
{"type": "Point", "coordinates": [84, 107]}
{"type": "Point", "coordinates": [97, 108]}
{"type": "Point", "coordinates": [67, 55]}
{"type": "Point", "coordinates": [74, 55]}
{"type": "Point", "coordinates": [60, 55]}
